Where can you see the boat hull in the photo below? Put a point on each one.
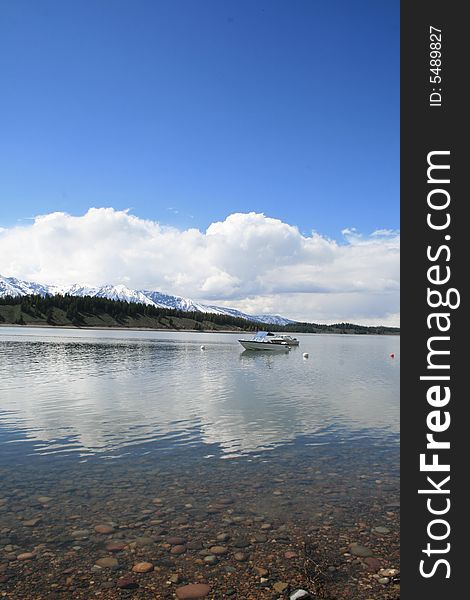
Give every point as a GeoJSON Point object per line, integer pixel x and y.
{"type": "Point", "coordinates": [265, 346]}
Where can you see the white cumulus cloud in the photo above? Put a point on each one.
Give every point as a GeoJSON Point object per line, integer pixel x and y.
{"type": "Point", "coordinates": [249, 261]}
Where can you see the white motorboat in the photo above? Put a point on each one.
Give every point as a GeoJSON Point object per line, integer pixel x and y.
{"type": "Point", "coordinates": [262, 341]}
{"type": "Point", "coordinates": [279, 338]}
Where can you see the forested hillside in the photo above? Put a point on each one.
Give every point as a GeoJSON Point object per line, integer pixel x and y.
{"type": "Point", "coordinates": [90, 311]}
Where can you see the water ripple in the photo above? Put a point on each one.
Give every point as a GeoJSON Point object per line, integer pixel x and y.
{"type": "Point", "coordinates": [93, 392]}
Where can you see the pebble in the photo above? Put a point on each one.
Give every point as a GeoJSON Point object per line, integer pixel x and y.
{"type": "Point", "coordinates": [115, 546]}
{"type": "Point", "coordinates": [240, 556]}
{"type": "Point", "coordinates": [193, 591]}
{"type": "Point", "coordinates": [44, 499]}
{"type": "Point", "coordinates": [26, 556]}
{"type": "Point", "coordinates": [358, 550]}
{"type": "Point", "coordinates": [223, 537]}
{"type": "Point", "coordinates": [178, 550]}
{"type": "Point", "coordinates": [280, 586]}
{"type": "Point", "coordinates": [176, 541]}
{"type": "Point", "coordinates": [32, 522]}
{"type": "Point", "coordinates": [143, 541]}
{"type": "Point", "coordinates": [388, 572]}
{"type": "Point", "coordinates": [383, 580]}
{"type": "Point", "coordinates": [218, 550]}
{"type": "Point", "coordinates": [211, 559]}
{"type": "Point", "coordinates": [298, 594]}
{"type": "Point", "coordinates": [381, 529]}
{"type": "Point", "coordinates": [372, 563]}
{"type": "Point", "coordinates": [80, 534]}
{"type": "Point", "coordinates": [142, 567]}
{"type": "Point", "coordinates": [126, 583]}
{"type": "Point", "coordinates": [241, 543]}
{"type": "Point", "coordinates": [106, 585]}
{"type": "Point", "coordinates": [108, 562]}
{"type": "Point", "coordinates": [290, 554]}
{"type": "Point", "coordinates": [194, 545]}
{"type": "Point", "coordinates": [105, 529]}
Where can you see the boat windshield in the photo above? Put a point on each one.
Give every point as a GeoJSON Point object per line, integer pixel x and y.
{"type": "Point", "coordinates": [260, 336]}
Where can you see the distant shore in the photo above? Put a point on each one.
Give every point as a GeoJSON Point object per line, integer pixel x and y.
{"type": "Point", "coordinates": [162, 330]}
{"type": "Point", "coordinates": [76, 312]}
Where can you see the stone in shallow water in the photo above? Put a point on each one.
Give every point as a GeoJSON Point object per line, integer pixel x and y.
{"type": "Point", "coordinates": [32, 522]}
{"type": "Point", "coordinates": [26, 556]}
{"type": "Point", "coordinates": [241, 543]}
{"type": "Point", "coordinates": [372, 563]}
{"type": "Point", "coordinates": [143, 541]}
{"type": "Point", "coordinates": [43, 499]}
{"type": "Point", "coordinates": [105, 529]}
{"type": "Point", "coordinates": [218, 550]}
{"type": "Point", "coordinates": [176, 541]}
{"type": "Point", "coordinates": [358, 550]}
{"type": "Point", "coordinates": [80, 534]}
{"type": "Point", "coordinates": [381, 529]}
{"type": "Point", "coordinates": [142, 567]}
{"type": "Point", "coordinates": [193, 591]}
{"type": "Point", "coordinates": [195, 545]}
{"type": "Point", "coordinates": [126, 583]}
{"type": "Point", "coordinates": [240, 556]}
{"type": "Point", "coordinates": [115, 546]}
{"type": "Point", "coordinates": [178, 550]}
{"type": "Point", "coordinates": [108, 562]}
{"type": "Point", "coordinates": [280, 586]}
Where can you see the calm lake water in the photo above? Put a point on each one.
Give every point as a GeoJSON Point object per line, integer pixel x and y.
{"type": "Point", "coordinates": [247, 471]}
{"type": "Point", "coordinates": [108, 393]}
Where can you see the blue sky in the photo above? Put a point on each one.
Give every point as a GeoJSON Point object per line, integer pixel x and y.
{"type": "Point", "coordinates": [187, 111]}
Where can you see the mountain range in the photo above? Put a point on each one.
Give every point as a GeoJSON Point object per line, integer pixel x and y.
{"type": "Point", "coordinates": [10, 286]}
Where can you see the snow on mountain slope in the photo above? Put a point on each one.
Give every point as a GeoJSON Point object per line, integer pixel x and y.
{"type": "Point", "coordinates": [10, 286]}
{"type": "Point", "coordinates": [176, 302]}
{"type": "Point", "coordinates": [180, 303]}
{"type": "Point", "coordinates": [115, 292]}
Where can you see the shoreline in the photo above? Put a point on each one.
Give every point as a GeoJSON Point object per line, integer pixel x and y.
{"type": "Point", "coordinates": [123, 328]}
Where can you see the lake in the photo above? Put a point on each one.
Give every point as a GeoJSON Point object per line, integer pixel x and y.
{"type": "Point", "coordinates": [278, 461]}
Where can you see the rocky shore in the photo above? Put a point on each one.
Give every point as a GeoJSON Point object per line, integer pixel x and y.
{"type": "Point", "coordinates": [288, 527]}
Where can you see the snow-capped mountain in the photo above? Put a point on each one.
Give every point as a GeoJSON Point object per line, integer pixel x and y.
{"type": "Point", "coordinates": [10, 286]}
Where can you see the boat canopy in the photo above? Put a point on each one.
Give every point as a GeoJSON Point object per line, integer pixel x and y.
{"type": "Point", "coordinates": [260, 336]}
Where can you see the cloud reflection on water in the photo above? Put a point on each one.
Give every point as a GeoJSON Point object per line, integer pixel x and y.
{"type": "Point", "coordinates": [98, 392]}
